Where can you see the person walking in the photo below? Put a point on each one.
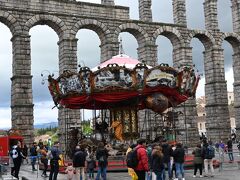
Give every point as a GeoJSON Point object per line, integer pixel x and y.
{"type": "Point", "coordinates": [17, 157]}
{"type": "Point", "coordinates": [79, 161]}
{"type": "Point", "coordinates": [131, 171]}
{"type": "Point", "coordinates": [230, 150]}
{"type": "Point", "coordinates": [142, 166]}
{"type": "Point", "coordinates": [238, 146]}
{"type": "Point", "coordinates": [157, 165]}
{"type": "Point", "coordinates": [198, 160]}
{"type": "Point", "coordinates": [91, 165]}
{"type": "Point", "coordinates": [55, 157]}
{"type": "Point", "coordinates": [44, 160]}
{"type": "Point", "coordinates": [25, 152]}
{"type": "Point", "coordinates": [102, 158]}
{"type": "Point", "coordinates": [208, 155]}
{"type": "Point", "coordinates": [179, 157]}
{"type": "Point", "coordinates": [167, 158]}
{"type": "Point", "coordinates": [33, 155]}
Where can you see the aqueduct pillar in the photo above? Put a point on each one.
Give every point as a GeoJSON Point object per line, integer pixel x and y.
{"type": "Point", "coordinates": [67, 118]}
{"type": "Point", "coordinates": [21, 89]}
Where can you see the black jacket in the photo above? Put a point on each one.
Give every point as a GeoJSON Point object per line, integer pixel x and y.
{"type": "Point", "coordinates": [79, 158]}
{"type": "Point", "coordinates": [167, 152]}
{"type": "Point", "coordinates": [102, 156]}
{"type": "Point", "coordinates": [179, 155]}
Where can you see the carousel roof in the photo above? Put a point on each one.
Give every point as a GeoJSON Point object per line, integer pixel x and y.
{"type": "Point", "coordinates": [124, 82]}
{"type": "Point", "coordinates": [121, 60]}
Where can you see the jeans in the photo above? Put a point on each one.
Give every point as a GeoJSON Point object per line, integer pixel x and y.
{"type": "Point", "coordinates": [33, 162]}
{"type": "Point", "coordinates": [230, 155]}
{"type": "Point", "coordinates": [91, 173]}
{"type": "Point", "coordinates": [169, 167]}
{"type": "Point", "coordinates": [159, 175]}
{"type": "Point", "coordinates": [103, 172]}
{"type": "Point", "coordinates": [179, 169]}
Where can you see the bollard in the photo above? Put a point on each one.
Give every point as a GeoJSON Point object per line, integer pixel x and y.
{"type": "Point", "coordinates": [220, 166]}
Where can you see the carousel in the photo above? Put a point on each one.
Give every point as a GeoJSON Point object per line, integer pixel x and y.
{"type": "Point", "coordinates": [120, 88]}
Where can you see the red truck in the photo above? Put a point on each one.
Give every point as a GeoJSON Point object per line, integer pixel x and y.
{"type": "Point", "coordinates": [7, 141]}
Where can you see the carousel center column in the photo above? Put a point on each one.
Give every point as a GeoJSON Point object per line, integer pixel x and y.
{"type": "Point", "coordinates": [21, 88]}
{"type": "Point", "coordinates": [67, 118]}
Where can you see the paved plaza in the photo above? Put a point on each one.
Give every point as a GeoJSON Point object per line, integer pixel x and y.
{"type": "Point", "coordinates": [230, 172]}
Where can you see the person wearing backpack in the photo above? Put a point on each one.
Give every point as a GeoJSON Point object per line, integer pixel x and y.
{"type": "Point", "coordinates": [44, 160]}
{"type": "Point", "coordinates": [55, 157]}
{"type": "Point", "coordinates": [208, 155]}
{"type": "Point", "coordinates": [131, 171]}
{"type": "Point", "coordinates": [142, 166]}
{"type": "Point", "coordinates": [79, 161]}
{"type": "Point", "coordinates": [102, 158]}
{"type": "Point", "coordinates": [17, 157]}
{"type": "Point", "coordinates": [33, 155]}
{"type": "Point", "coordinates": [198, 160]}
{"type": "Point", "coordinates": [230, 150]}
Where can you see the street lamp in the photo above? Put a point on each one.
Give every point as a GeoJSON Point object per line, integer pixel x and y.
{"type": "Point", "coordinates": [185, 123]}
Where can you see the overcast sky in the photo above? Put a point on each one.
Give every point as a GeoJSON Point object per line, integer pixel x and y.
{"type": "Point", "coordinates": [44, 52]}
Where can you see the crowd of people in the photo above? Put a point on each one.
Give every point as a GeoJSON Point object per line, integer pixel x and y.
{"type": "Point", "coordinates": [156, 161]}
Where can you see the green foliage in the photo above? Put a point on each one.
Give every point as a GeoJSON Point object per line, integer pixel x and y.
{"type": "Point", "coordinates": [86, 128]}
{"type": "Point", "coordinates": [49, 130]}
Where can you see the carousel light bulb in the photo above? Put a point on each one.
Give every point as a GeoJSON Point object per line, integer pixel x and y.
{"type": "Point", "coordinates": [43, 82]}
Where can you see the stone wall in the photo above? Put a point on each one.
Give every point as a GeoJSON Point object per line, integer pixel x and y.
{"type": "Point", "coordinates": [66, 18]}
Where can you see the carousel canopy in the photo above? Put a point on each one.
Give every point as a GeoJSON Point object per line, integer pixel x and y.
{"type": "Point", "coordinates": [121, 60]}
{"type": "Point", "coordinates": [123, 82]}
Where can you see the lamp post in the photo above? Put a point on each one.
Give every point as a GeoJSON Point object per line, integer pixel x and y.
{"type": "Point", "coordinates": [185, 123]}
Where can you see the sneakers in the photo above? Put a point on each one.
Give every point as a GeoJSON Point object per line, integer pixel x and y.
{"type": "Point", "coordinates": [201, 176]}
{"type": "Point", "coordinates": [44, 175]}
{"type": "Point", "coordinates": [194, 176]}
{"type": "Point", "coordinates": [183, 178]}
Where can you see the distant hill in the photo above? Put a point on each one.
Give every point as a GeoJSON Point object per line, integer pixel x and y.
{"type": "Point", "coordinates": [46, 125]}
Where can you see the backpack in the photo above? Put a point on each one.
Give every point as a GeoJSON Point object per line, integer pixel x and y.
{"type": "Point", "coordinates": [210, 152]}
{"type": "Point", "coordinates": [132, 159]}
{"type": "Point", "coordinates": [79, 159]}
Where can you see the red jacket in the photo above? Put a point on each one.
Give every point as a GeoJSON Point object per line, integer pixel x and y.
{"type": "Point", "coordinates": [142, 159]}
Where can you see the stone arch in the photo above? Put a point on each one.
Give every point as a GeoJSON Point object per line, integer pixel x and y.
{"type": "Point", "coordinates": [52, 21]}
{"type": "Point", "coordinates": [100, 28]}
{"type": "Point", "coordinates": [205, 37]}
{"type": "Point", "coordinates": [139, 33]}
{"type": "Point", "coordinates": [171, 33]}
{"type": "Point", "coordinates": [10, 21]}
{"type": "Point", "coordinates": [232, 39]}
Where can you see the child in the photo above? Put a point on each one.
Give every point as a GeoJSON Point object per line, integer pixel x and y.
{"type": "Point", "coordinates": [91, 165]}
{"type": "Point", "coordinates": [69, 171]}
